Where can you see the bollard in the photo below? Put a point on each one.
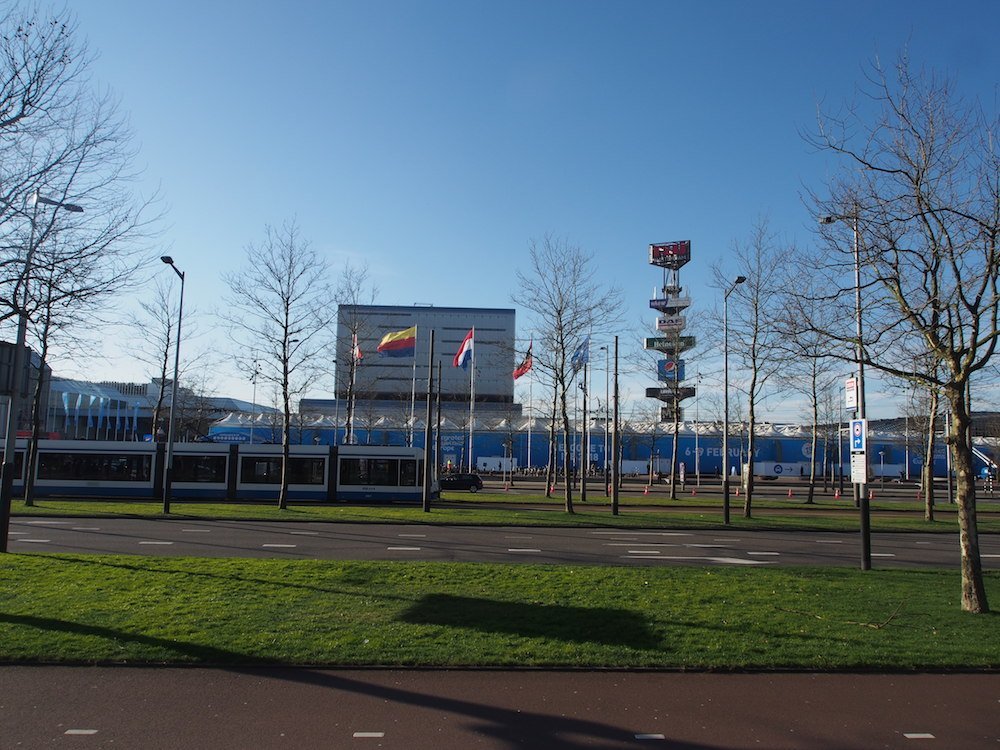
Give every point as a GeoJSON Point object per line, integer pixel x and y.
{"type": "Point", "coordinates": [836, 494]}
{"type": "Point", "coordinates": [871, 494]}
{"type": "Point", "coordinates": [790, 492]}
{"type": "Point", "coordinates": [694, 491]}
{"type": "Point", "coordinates": [506, 487]}
{"type": "Point", "coordinates": [645, 490]}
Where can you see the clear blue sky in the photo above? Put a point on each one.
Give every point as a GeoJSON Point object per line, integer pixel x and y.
{"type": "Point", "coordinates": [434, 139]}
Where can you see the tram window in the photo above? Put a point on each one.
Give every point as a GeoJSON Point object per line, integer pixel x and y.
{"type": "Point", "coordinates": [199, 469]}
{"type": "Point", "coordinates": [105, 467]}
{"type": "Point", "coordinates": [18, 463]}
{"type": "Point", "coordinates": [268, 470]}
{"type": "Point", "coordinates": [408, 473]}
{"type": "Point", "coordinates": [379, 472]}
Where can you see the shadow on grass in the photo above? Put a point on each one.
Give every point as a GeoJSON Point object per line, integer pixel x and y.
{"type": "Point", "coordinates": [612, 627]}
{"type": "Point", "coordinates": [189, 651]}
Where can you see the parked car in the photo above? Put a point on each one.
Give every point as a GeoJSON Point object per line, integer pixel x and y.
{"type": "Point", "coordinates": [470, 482]}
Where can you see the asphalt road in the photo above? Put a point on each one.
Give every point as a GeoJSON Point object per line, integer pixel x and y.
{"type": "Point", "coordinates": [484, 543]}
{"type": "Point", "coordinates": [168, 708]}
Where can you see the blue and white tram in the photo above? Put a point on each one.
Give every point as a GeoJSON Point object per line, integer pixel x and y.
{"type": "Point", "coordinates": [210, 471]}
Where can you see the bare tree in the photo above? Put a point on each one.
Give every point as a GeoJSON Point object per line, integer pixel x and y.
{"type": "Point", "coordinates": [566, 304]}
{"type": "Point", "coordinates": [921, 189]}
{"type": "Point", "coordinates": [753, 333]}
{"type": "Point", "coordinates": [280, 305]}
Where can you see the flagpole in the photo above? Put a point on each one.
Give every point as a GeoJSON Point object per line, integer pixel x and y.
{"type": "Point", "coordinates": [413, 389]}
{"type": "Point", "coordinates": [531, 382]}
{"type": "Point", "coordinates": [472, 397]}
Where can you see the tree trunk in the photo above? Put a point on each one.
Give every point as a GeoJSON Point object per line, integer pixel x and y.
{"type": "Point", "coordinates": [748, 478]}
{"type": "Point", "coordinates": [927, 470]}
{"type": "Point", "coordinates": [973, 588]}
{"type": "Point", "coordinates": [812, 450]}
{"type": "Point", "coordinates": [286, 445]}
{"type": "Point", "coordinates": [566, 450]}
{"type": "Point", "coordinates": [550, 469]}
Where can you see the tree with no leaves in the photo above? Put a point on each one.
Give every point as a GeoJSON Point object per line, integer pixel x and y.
{"type": "Point", "coordinates": [920, 188]}
{"type": "Point", "coordinates": [280, 306]}
{"type": "Point", "coordinates": [566, 305]}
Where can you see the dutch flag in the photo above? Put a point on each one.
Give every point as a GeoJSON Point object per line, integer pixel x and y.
{"type": "Point", "coordinates": [464, 353]}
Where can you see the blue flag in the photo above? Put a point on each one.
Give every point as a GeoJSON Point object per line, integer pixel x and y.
{"type": "Point", "coordinates": [581, 356]}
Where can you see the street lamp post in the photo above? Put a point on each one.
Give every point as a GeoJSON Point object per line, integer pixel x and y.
{"type": "Point", "coordinates": [725, 398]}
{"type": "Point", "coordinates": [16, 378]}
{"type": "Point", "coordinates": [168, 474]}
{"type": "Point", "coordinates": [860, 488]}
{"type": "Point", "coordinates": [607, 418]}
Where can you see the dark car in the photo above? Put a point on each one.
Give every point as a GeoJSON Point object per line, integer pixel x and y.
{"type": "Point", "coordinates": [470, 482]}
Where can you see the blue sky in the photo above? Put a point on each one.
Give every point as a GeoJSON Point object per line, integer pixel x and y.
{"type": "Point", "coordinates": [434, 139]}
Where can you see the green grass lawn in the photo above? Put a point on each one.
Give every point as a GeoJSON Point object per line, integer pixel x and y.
{"type": "Point", "coordinates": [124, 609]}
{"type": "Point", "coordinates": [489, 509]}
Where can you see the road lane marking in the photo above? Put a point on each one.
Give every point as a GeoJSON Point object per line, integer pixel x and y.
{"type": "Point", "coordinates": [156, 543]}
{"type": "Point", "coordinates": [368, 735]}
{"type": "Point", "coordinates": [918, 735]}
{"type": "Point", "coordinates": [883, 554]}
{"type": "Point", "coordinates": [412, 536]}
{"type": "Point", "coordinates": [989, 555]}
{"type": "Point", "coordinates": [197, 531]}
{"type": "Point", "coordinates": [80, 731]}
{"type": "Point", "coordinates": [35, 541]}
{"type": "Point", "coordinates": [86, 528]}
{"type": "Point", "coordinates": [48, 523]}
{"type": "Point", "coordinates": [648, 544]}
{"type": "Point", "coordinates": [643, 533]}
{"type": "Point", "coordinates": [403, 549]}
{"type": "Point", "coordinates": [650, 736]}
{"type": "Point", "coordinates": [763, 553]}
{"type": "Point", "coordinates": [708, 546]}
{"type": "Point", "coordinates": [522, 549]}
{"type": "Point", "coordinates": [644, 551]}
{"type": "Point", "coordinates": [833, 541]}
{"type": "Point", "coordinates": [303, 533]}
{"type": "Point", "coordinates": [727, 540]}
{"type": "Point", "coordinates": [280, 546]}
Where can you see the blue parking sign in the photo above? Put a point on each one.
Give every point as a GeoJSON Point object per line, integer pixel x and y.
{"type": "Point", "coordinates": [859, 430]}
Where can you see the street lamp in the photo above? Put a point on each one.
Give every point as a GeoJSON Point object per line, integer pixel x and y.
{"type": "Point", "coordinates": [13, 407]}
{"type": "Point", "coordinates": [861, 488]}
{"type": "Point", "coordinates": [168, 474]}
{"type": "Point", "coordinates": [725, 398]}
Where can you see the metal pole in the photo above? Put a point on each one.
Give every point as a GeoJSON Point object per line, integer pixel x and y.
{"type": "Point", "coordinates": [607, 416]}
{"type": "Point", "coordinates": [725, 409]}
{"type": "Point", "coordinates": [615, 449]}
{"type": "Point", "coordinates": [428, 453]}
{"type": "Point", "coordinates": [863, 505]}
{"type": "Point", "coordinates": [697, 459]}
{"type": "Point", "coordinates": [168, 474]}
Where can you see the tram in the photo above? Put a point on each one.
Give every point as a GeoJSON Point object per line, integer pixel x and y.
{"type": "Point", "coordinates": [210, 471]}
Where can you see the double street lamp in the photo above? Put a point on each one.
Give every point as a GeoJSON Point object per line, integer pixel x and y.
{"type": "Point", "coordinates": [725, 397]}
{"type": "Point", "coordinates": [168, 474]}
{"type": "Point", "coordinates": [17, 375]}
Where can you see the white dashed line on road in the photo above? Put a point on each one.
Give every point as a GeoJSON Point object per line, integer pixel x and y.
{"type": "Point", "coordinates": [304, 533]}
{"type": "Point", "coordinates": [368, 735]}
{"type": "Point", "coordinates": [522, 549]}
{"type": "Point", "coordinates": [197, 531]}
{"type": "Point", "coordinates": [48, 523]}
{"type": "Point", "coordinates": [280, 546]}
{"type": "Point", "coordinates": [34, 541]}
{"type": "Point", "coordinates": [403, 549]}
{"type": "Point", "coordinates": [764, 553]}
{"type": "Point", "coordinates": [918, 735]}
{"type": "Point", "coordinates": [883, 554]}
{"type": "Point", "coordinates": [80, 731]}
{"type": "Point", "coordinates": [644, 551]}
{"type": "Point", "coordinates": [831, 541]}
{"type": "Point", "coordinates": [648, 544]}
{"type": "Point", "coordinates": [86, 528]}
{"type": "Point", "coordinates": [163, 543]}
{"type": "Point", "coordinates": [412, 536]}
{"type": "Point", "coordinates": [708, 546]}
{"type": "Point", "coordinates": [649, 736]}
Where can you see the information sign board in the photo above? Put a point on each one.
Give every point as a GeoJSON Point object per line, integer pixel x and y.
{"type": "Point", "coordinates": [851, 393]}
{"type": "Point", "coordinates": [859, 468]}
{"type": "Point", "coordinates": [859, 434]}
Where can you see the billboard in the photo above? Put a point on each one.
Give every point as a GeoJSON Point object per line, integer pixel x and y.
{"type": "Point", "coordinates": [669, 344]}
{"type": "Point", "coordinates": [669, 370]}
{"type": "Point", "coordinates": [670, 254]}
{"type": "Point", "coordinates": [669, 323]}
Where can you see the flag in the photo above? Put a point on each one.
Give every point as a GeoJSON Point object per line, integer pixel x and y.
{"type": "Point", "coordinates": [357, 349]}
{"type": "Point", "coordinates": [581, 356]}
{"type": "Point", "coordinates": [398, 343]}
{"type": "Point", "coordinates": [465, 353]}
{"type": "Point", "coordinates": [525, 366]}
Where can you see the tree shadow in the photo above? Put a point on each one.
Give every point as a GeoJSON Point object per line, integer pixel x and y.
{"type": "Point", "coordinates": [192, 651]}
{"type": "Point", "coordinates": [611, 627]}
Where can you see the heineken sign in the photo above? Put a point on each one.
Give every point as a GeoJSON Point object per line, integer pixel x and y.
{"type": "Point", "coordinates": [669, 344]}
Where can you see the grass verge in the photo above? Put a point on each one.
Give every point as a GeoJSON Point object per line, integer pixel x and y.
{"type": "Point", "coordinates": [493, 511]}
{"type": "Point", "coordinates": [123, 609]}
